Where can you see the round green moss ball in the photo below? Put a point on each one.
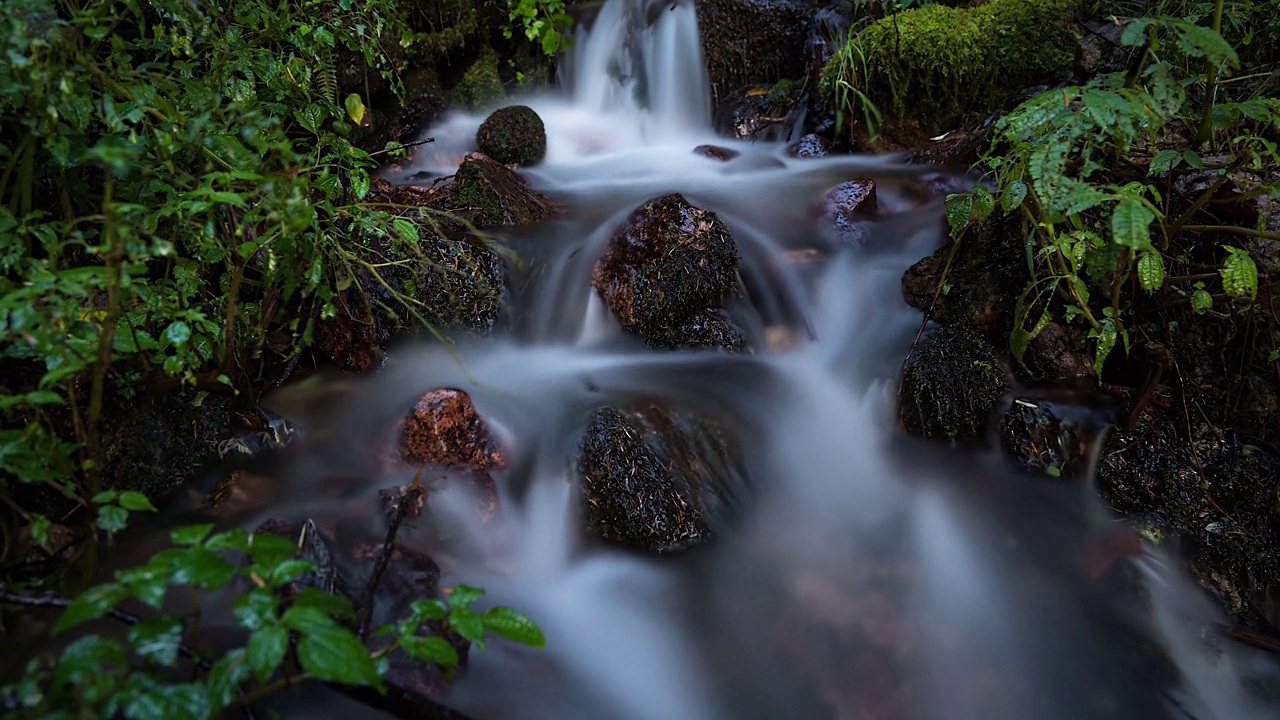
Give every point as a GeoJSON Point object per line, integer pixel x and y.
{"type": "Point", "coordinates": [513, 134]}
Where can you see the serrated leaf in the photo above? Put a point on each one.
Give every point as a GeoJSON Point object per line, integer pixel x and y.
{"type": "Point", "coordinates": [1013, 196]}
{"type": "Point", "coordinates": [1198, 41]}
{"type": "Point", "coordinates": [1106, 337]}
{"type": "Point", "coordinates": [256, 610]}
{"type": "Point", "coordinates": [193, 535]}
{"type": "Point", "coordinates": [334, 606]}
{"type": "Point", "coordinates": [1131, 225]}
{"type": "Point", "coordinates": [406, 230]}
{"type": "Point", "coordinates": [1239, 275]}
{"type": "Point", "coordinates": [203, 568]}
{"type": "Point", "coordinates": [430, 649]}
{"type": "Point", "coordinates": [181, 701]}
{"type": "Point", "coordinates": [1135, 33]}
{"type": "Point", "coordinates": [507, 623]}
{"type": "Point", "coordinates": [1151, 271]}
{"type": "Point", "coordinates": [308, 619]}
{"type": "Point", "coordinates": [467, 623]}
{"type": "Point", "coordinates": [429, 610]}
{"type": "Point", "coordinates": [464, 595]}
{"type": "Point", "coordinates": [360, 184]}
{"type": "Point", "coordinates": [225, 679]}
{"type": "Point", "coordinates": [157, 640]}
{"type": "Point", "coordinates": [984, 203]}
{"type": "Point", "coordinates": [136, 501]}
{"type": "Point", "coordinates": [333, 654]}
{"type": "Point", "coordinates": [959, 209]}
{"type": "Point", "coordinates": [1201, 301]}
{"type": "Point", "coordinates": [266, 650]}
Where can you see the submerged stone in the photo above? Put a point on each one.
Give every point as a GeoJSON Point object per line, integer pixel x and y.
{"type": "Point", "coordinates": [847, 204]}
{"type": "Point", "coordinates": [513, 135]}
{"type": "Point", "coordinates": [950, 386]}
{"type": "Point", "coordinates": [668, 264]}
{"type": "Point", "coordinates": [445, 429]}
{"type": "Point", "coordinates": [654, 479]}
{"type": "Point", "coordinates": [715, 152]}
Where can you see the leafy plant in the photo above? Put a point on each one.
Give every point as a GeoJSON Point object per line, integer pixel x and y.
{"type": "Point", "coordinates": [544, 22]}
{"type": "Point", "coordinates": [1088, 232]}
{"type": "Point", "coordinates": [292, 637]}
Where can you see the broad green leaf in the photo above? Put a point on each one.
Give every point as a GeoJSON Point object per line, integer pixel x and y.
{"type": "Point", "coordinates": [1151, 271]}
{"type": "Point", "coordinates": [184, 701]}
{"type": "Point", "coordinates": [334, 606]}
{"type": "Point", "coordinates": [355, 108]}
{"type": "Point", "coordinates": [1135, 33]}
{"type": "Point", "coordinates": [429, 610]}
{"type": "Point", "coordinates": [1239, 274]}
{"type": "Point", "coordinates": [1106, 336]}
{"type": "Point", "coordinates": [507, 623]}
{"type": "Point", "coordinates": [406, 230]}
{"type": "Point", "coordinates": [333, 654]}
{"type": "Point", "coordinates": [984, 203]}
{"type": "Point", "coordinates": [1201, 301]}
{"type": "Point", "coordinates": [90, 605]}
{"type": "Point", "coordinates": [1131, 225]}
{"type": "Point", "coordinates": [266, 650]}
{"type": "Point", "coordinates": [157, 640]}
{"type": "Point", "coordinates": [959, 209]}
{"type": "Point", "coordinates": [1164, 161]}
{"type": "Point", "coordinates": [226, 678]}
{"type": "Point", "coordinates": [113, 518]}
{"type": "Point", "coordinates": [1013, 196]}
{"type": "Point", "coordinates": [191, 535]}
{"type": "Point", "coordinates": [257, 609]}
{"type": "Point", "coordinates": [430, 649]}
{"type": "Point", "coordinates": [468, 624]}
{"type": "Point", "coordinates": [269, 550]}
{"type": "Point", "coordinates": [86, 658]}
{"type": "Point", "coordinates": [136, 501]}
{"type": "Point", "coordinates": [464, 595]}
{"type": "Point", "coordinates": [203, 568]}
{"type": "Point", "coordinates": [178, 333]}
{"type": "Point", "coordinates": [308, 619]}
{"type": "Point", "coordinates": [288, 571]}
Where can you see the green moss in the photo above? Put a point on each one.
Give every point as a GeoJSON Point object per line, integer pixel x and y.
{"type": "Point", "coordinates": [480, 85]}
{"type": "Point", "coordinates": [513, 134]}
{"type": "Point", "coordinates": [936, 64]}
{"type": "Point", "coordinates": [950, 386]}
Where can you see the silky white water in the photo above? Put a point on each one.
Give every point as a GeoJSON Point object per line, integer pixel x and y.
{"type": "Point", "coordinates": [862, 574]}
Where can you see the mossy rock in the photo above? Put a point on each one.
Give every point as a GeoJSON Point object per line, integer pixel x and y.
{"type": "Point", "coordinates": [488, 194]}
{"type": "Point", "coordinates": [654, 479]}
{"type": "Point", "coordinates": [480, 86]}
{"type": "Point", "coordinates": [513, 135]}
{"type": "Point", "coordinates": [936, 64]}
{"type": "Point", "coordinates": [668, 264]}
{"type": "Point", "coordinates": [951, 385]}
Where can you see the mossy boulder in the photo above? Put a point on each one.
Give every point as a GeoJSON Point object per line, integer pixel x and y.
{"type": "Point", "coordinates": [488, 194]}
{"type": "Point", "coordinates": [936, 64]}
{"type": "Point", "coordinates": [951, 385]}
{"type": "Point", "coordinates": [480, 86]}
{"type": "Point", "coordinates": [667, 265]}
{"type": "Point", "coordinates": [654, 479]}
{"type": "Point", "coordinates": [513, 135]}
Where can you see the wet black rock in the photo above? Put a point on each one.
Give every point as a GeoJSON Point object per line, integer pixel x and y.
{"type": "Point", "coordinates": [809, 146]}
{"type": "Point", "coordinates": [668, 264]}
{"type": "Point", "coordinates": [1052, 436]}
{"type": "Point", "coordinates": [513, 134]}
{"type": "Point", "coordinates": [708, 329]}
{"type": "Point", "coordinates": [849, 203]}
{"type": "Point", "coordinates": [759, 113]}
{"type": "Point", "coordinates": [951, 385]}
{"type": "Point", "coordinates": [653, 479]}
{"type": "Point", "coordinates": [489, 194]}
{"type": "Point", "coordinates": [750, 42]}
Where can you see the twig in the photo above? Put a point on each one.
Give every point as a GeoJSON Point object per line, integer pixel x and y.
{"type": "Point", "coordinates": [405, 146]}
{"type": "Point", "coordinates": [401, 507]}
{"type": "Point", "coordinates": [1261, 642]}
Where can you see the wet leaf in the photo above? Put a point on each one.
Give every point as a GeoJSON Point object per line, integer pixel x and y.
{"type": "Point", "coordinates": [266, 650]}
{"type": "Point", "coordinates": [1239, 274]}
{"type": "Point", "coordinates": [136, 501]}
{"type": "Point", "coordinates": [331, 605]}
{"type": "Point", "coordinates": [1151, 271]}
{"type": "Point", "coordinates": [191, 535]}
{"type": "Point", "coordinates": [1201, 301]}
{"type": "Point", "coordinates": [467, 623]}
{"type": "Point", "coordinates": [464, 595]}
{"type": "Point", "coordinates": [185, 701]}
{"type": "Point", "coordinates": [507, 623]}
{"type": "Point", "coordinates": [333, 654]}
{"type": "Point", "coordinates": [1013, 196]}
{"type": "Point", "coordinates": [226, 678]}
{"type": "Point", "coordinates": [430, 649]}
{"type": "Point", "coordinates": [113, 518]}
{"type": "Point", "coordinates": [256, 610]}
{"type": "Point", "coordinates": [355, 108]}
{"type": "Point", "coordinates": [1131, 223]}
{"type": "Point", "coordinates": [157, 640]}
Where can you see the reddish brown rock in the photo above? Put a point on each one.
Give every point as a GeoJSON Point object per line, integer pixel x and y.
{"type": "Point", "coordinates": [716, 152]}
{"type": "Point", "coordinates": [445, 430]}
{"type": "Point", "coordinates": [489, 194]}
{"type": "Point", "coordinates": [668, 264]}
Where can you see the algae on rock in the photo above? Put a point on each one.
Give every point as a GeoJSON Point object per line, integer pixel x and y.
{"type": "Point", "coordinates": [935, 64]}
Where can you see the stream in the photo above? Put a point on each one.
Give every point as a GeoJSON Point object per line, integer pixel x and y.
{"type": "Point", "coordinates": [859, 573]}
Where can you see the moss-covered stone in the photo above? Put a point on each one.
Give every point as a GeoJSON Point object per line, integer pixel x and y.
{"type": "Point", "coordinates": [669, 263]}
{"type": "Point", "coordinates": [488, 194]}
{"type": "Point", "coordinates": [935, 64]}
{"type": "Point", "coordinates": [161, 444]}
{"type": "Point", "coordinates": [654, 479]}
{"type": "Point", "coordinates": [951, 385]}
{"type": "Point", "coordinates": [480, 86]}
{"type": "Point", "coordinates": [513, 134]}
{"type": "Point", "coordinates": [752, 41]}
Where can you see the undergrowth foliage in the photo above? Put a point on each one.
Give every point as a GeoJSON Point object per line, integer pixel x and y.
{"type": "Point", "coordinates": [178, 204]}
{"type": "Point", "coordinates": [1092, 229]}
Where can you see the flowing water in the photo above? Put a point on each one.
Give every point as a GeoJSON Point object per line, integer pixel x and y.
{"type": "Point", "coordinates": [862, 574]}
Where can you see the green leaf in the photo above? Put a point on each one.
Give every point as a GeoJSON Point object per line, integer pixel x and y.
{"type": "Point", "coordinates": [136, 501]}
{"type": "Point", "coordinates": [178, 333]}
{"type": "Point", "coordinates": [288, 571]}
{"type": "Point", "coordinates": [184, 701]}
{"type": "Point", "coordinates": [331, 653]}
{"type": "Point", "coordinates": [157, 640]}
{"type": "Point", "coordinates": [467, 623]}
{"type": "Point", "coordinates": [464, 595]}
{"type": "Point", "coordinates": [113, 518]}
{"type": "Point", "coordinates": [406, 230]}
{"type": "Point", "coordinates": [959, 209]}
{"type": "Point", "coordinates": [1106, 336]}
{"type": "Point", "coordinates": [429, 610]}
{"type": "Point", "coordinates": [1201, 301]}
{"type": "Point", "coordinates": [308, 619]}
{"type": "Point", "coordinates": [334, 606]}
{"type": "Point", "coordinates": [984, 203]}
{"type": "Point", "coordinates": [1013, 196]}
{"type": "Point", "coordinates": [225, 679]}
{"type": "Point", "coordinates": [1131, 223]}
{"type": "Point", "coordinates": [1164, 161]}
{"type": "Point", "coordinates": [191, 535]}
{"type": "Point", "coordinates": [1239, 274]}
{"type": "Point", "coordinates": [507, 623]}
{"type": "Point", "coordinates": [257, 609]}
{"type": "Point", "coordinates": [266, 650]}
{"type": "Point", "coordinates": [430, 649]}
{"type": "Point", "coordinates": [1151, 271]}
{"type": "Point", "coordinates": [1135, 34]}
{"type": "Point", "coordinates": [90, 605]}
{"type": "Point", "coordinates": [355, 108]}
{"type": "Point", "coordinates": [203, 568]}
